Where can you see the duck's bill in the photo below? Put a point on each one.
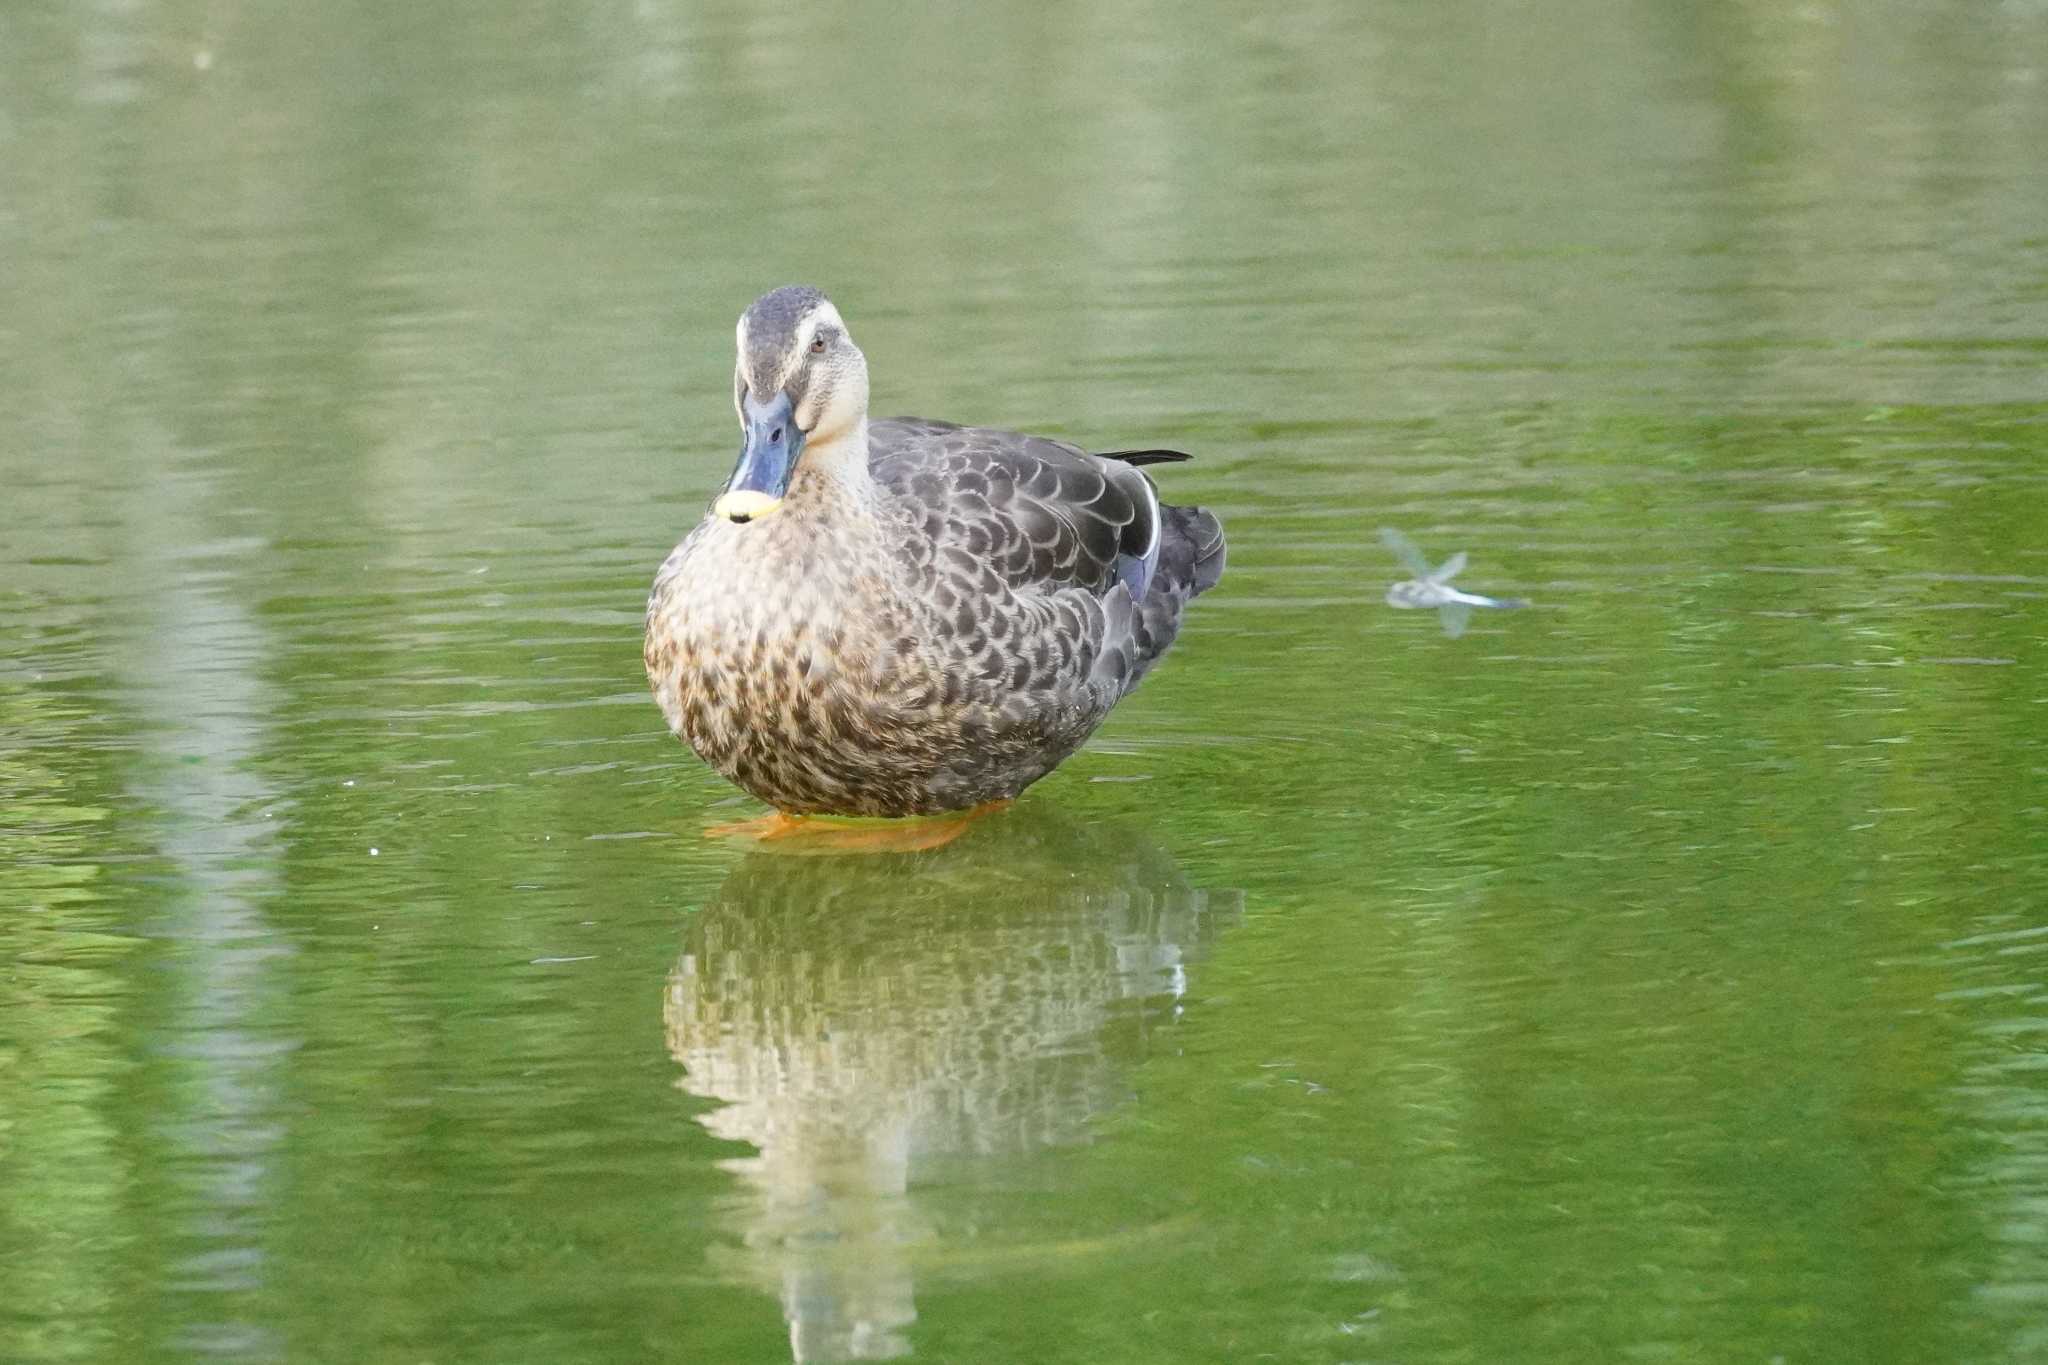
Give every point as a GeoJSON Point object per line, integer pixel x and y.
{"type": "Point", "coordinates": [767, 460]}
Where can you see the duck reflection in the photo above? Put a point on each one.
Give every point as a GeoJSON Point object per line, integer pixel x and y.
{"type": "Point", "coordinates": [862, 1018]}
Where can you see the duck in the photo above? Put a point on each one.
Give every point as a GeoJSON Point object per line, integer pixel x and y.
{"type": "Point", "coordinates": [900, 616]}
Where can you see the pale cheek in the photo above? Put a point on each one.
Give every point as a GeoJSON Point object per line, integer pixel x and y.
{"type": "Point", "coordinates": [817, 403]}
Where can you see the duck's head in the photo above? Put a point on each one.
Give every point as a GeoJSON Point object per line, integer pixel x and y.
{"type": "Point", "coordinates": [800, 382]}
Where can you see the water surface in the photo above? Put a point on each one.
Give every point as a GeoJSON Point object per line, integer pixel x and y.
{"type": "Point", "coordinates": [1653, 974]}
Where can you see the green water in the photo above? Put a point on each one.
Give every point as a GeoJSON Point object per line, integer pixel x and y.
{"type": "Point", "coordinates": [1659, 973]}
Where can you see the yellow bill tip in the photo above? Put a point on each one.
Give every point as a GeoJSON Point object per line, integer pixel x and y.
{"type": "Point", "coordinates": [745, 505]}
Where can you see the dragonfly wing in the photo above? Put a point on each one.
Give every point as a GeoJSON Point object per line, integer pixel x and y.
{"type": "Point", "coordinates": [1404, 550]}
{"type": "Point", "coordinates": [1454, 615]}
{"type": "Point", "coordinates": [1449, 569]}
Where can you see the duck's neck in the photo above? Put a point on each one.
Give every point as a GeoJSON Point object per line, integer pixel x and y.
{"type": "Point", "coordinates": [834, 474]}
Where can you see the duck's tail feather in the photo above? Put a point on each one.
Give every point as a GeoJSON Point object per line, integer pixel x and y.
{"type": "Point", "coordinates": [1191, 554]}
{"type": "Point", "coordinates": [1146, 456]}
{"type": "Point", "coordinates": [1197, 529]}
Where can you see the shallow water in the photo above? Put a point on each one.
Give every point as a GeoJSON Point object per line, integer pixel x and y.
{"type": "Point", "coordinates": [1656, 973]}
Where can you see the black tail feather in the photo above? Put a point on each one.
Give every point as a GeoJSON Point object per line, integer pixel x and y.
{"type": "Point", "coordinates": [1146, 456]}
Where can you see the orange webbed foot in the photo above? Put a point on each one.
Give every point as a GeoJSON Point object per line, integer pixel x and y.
{"type": "Point", "coordinates": [810, 835]}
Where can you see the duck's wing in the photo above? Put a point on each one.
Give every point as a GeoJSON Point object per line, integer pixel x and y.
{"type": "Point", "coordinates": [1039, 513]}
{"type": "Point", "coordinates": [1027, 543]}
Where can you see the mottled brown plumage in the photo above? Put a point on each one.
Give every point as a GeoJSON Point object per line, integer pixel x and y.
{"type": "Point", "coordinates": [932, 617]}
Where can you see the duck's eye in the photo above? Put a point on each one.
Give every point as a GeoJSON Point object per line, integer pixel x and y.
{"type": "Point", "coordinates": [817, 345]}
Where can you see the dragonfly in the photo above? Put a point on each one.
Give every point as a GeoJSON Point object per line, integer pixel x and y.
{"type": "Point", "coordinates": [1432, 587]}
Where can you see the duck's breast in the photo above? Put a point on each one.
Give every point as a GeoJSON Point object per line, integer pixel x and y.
{"type": "Point", "coordinates": [790, 666]}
